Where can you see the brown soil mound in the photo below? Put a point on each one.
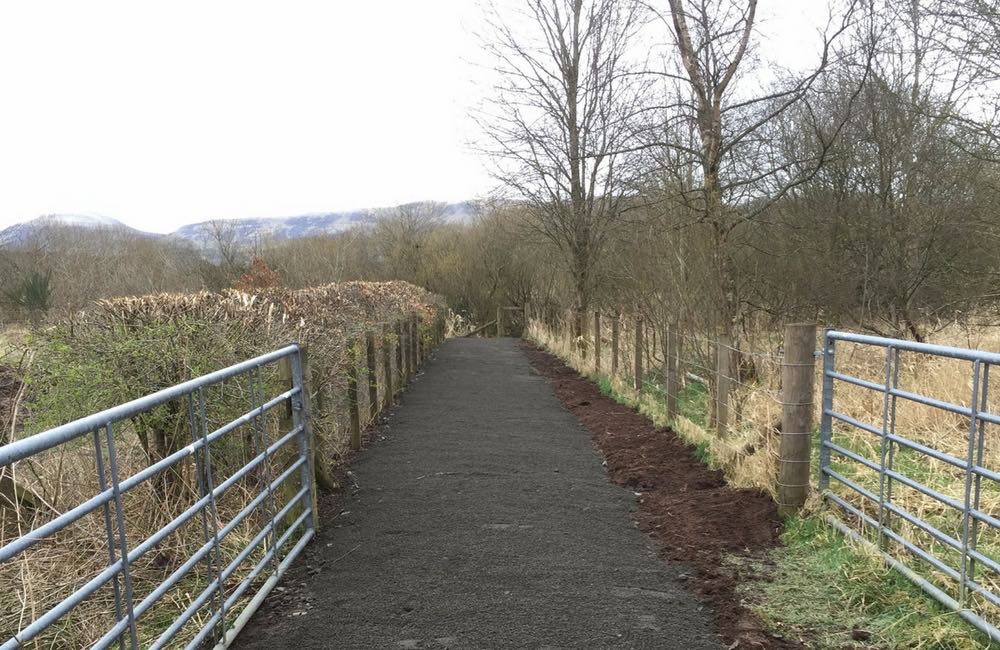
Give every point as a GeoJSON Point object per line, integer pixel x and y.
{"type": "Point", "coordinates": [688, 508]}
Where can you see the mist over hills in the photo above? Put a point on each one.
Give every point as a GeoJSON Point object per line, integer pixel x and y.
{"type": "Point", "coordinates": [244, 231]}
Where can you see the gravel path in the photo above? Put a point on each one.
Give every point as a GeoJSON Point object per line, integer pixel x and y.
{"type": "Point", "coordinates": [482, 518]}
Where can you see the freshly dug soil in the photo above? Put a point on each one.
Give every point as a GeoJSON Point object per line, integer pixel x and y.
{"type": "Point", "coordinates": [697, 519]}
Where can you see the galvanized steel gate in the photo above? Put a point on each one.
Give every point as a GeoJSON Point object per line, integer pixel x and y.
{"type": "Point", "coordinates": [279, 469]}
{"type": "Point", "coordinates": [953, 559]}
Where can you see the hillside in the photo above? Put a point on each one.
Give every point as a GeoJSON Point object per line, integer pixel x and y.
{"type": "Point", "coordinates": [244, 231]}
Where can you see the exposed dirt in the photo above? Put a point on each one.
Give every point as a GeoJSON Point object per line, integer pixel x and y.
{"type": "Point", "coordinates": [685, 506]}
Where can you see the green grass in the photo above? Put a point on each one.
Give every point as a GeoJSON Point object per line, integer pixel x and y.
{"type": "Point", "coordinates": [820, 587]}
{"type": "Point", "coordinates": [692, 403]}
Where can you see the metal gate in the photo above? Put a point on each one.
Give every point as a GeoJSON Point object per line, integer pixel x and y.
{"type": "Point", "coordinates": [271, 481]}
{"type": "Point", "coordinates": [866, 467]}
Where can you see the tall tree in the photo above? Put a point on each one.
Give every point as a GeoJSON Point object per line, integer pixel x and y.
{"type": "Point", "coordinates": [560, 122]}
{"type": "Point", "coordinates": [735, 175]}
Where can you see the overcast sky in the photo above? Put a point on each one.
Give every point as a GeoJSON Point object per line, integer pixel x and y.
{"type": "Point", "coordinates": [161, 114]}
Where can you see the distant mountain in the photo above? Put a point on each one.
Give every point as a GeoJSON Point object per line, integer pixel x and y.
{"type": "Point", "coordinates": [243, 231]}
{"type": "Point", "coordinates": [246, 231]}
{"type": "Point", "coordinates": [21, 233]}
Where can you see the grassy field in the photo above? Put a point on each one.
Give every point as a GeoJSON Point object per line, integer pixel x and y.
{"type": "Point", "coordinates": [855, 600]}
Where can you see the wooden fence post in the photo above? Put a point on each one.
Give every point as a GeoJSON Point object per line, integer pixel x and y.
{"type": "Point", "coordinates": [388, 390]}
{"type": "Point", "coordinates": [797, 386]}
{"type": "Point", "coordinates": [352, 396]}
{"type": "Point", "coordinates": [527, 318]}
{"type": "Point", "coordinates": [597, 341]}
{"type": "Point", "coordinates": [614, 345]}
{"type": "Point", "coordinates": [400, 356]}
{"type": "Point", "coordinates": [671, 361]}
{"type": "Point", "coordinates": [499, 322]}
{"type": "Point", "coordinates": [723, 384]}
{"type": "Point", "coordinates": [414, 359]}
{"type": "Point", "coordinates": [372, 377]}
{"type": "Point", "coordinates": [638, 353]}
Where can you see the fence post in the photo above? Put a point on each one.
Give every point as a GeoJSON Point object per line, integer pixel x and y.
{"type": "Point", "coordinates": [723, 384]}
{"type": "Point", "coordinates": [597, 341]}
{"type": "Point", "coordinates": [387, 390]}
{"type": "Point", "coordinates": [352, 396]}
{"type": "Point", "coordinates": [414, 345]}
{"type": "Point", "coordinates": [499, 322]}
{"type": "Point", "coordinates": [614, 345]}
{"type": "Point", "coordinates": [671, 361]}
{"type": "Point", "coordinates": [527, 318]}
{"type": "Point", "coordinates": [307, 442]}
{"type": "Point", "coordinates": [400, 356]}
{"type": "Point", "coordinates": [797, 385]}
{"type": "Point", "coordinates": [372, 377]}
{"type": "Point", "coordinates": [638, 354]}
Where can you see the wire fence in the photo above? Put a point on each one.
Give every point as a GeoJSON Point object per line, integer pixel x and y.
{"type": "Point", "coordinates": [720, 396]}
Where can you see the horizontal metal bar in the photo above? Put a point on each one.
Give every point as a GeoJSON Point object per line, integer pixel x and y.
{"type": "Point", "coordinates": [850, 379]}
{"type": "Point", "coordinates": [847, 419]}
{"type": "Point", "coordinates": [933, 591]}
{"type": "Point", "coordinates": [929, 451]}
{"type": "Point", "coordinates": [913, 346]}
{"type": "Point", "coordinates": [54, 526]}
{"type": "Point", "coordinates": [930, 401]}
{"type": "Point", "coordinates": [20, 449]}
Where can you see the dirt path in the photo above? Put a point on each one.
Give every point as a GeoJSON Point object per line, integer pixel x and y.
{"type": "Point", "coordinates": [696, 517]}
{"type": "Point", "coordinates": [482, 518]}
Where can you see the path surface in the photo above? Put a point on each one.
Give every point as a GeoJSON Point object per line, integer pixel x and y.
{"type": "Point", "coordinates": [484, 519]}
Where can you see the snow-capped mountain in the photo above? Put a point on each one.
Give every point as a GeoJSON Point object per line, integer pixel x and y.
{"type": "Point", "coordinates": [244, 231]}
{"type": "Point", "coordinates": [22, 233]}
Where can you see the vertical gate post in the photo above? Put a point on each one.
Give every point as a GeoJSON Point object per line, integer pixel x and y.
{"type": "Point", "coordinates": [352, 396]}
{"type": "Point", "coordinates": [372, 377]}
{"type": "Point", "coordinates": [723, 384]}
{"type": "Point", "coordinates": [302, 416]}
{"type": "Point", "coordinates": [638, 354]}
{"type": "Point", "coordinates": [614, 344]}
{"type": "Point", "coordinates": [597, 341]}
{"type": "Point", "coordinates": [826, 420]}
{"type": "Point", "coordinates": [671, 361]}
{"type": "Point", "coordinates": [387, 390]}
{"type": "Point", "coordinates": [797, 383]}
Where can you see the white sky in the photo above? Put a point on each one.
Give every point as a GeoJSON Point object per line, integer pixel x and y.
{"type": "Point", "coordinates": [161, 114]}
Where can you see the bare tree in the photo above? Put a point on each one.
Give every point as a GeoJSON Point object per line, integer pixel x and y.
{"type": "Point", "coordinates": [225, 246]}
{"type": "Point", "coordinates": [561, 120]}
{"type": "Point", "coordinates": [730, 170]}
